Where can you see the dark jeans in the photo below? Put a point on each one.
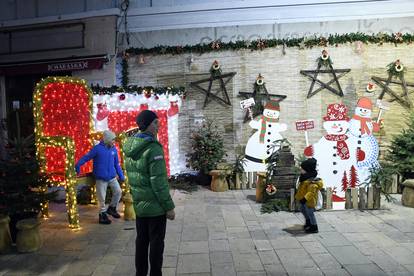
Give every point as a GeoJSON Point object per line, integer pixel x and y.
{"type": "Point", "coordinates": [150, 232]}
{"type": "Point", "coordinates": [308, 213]}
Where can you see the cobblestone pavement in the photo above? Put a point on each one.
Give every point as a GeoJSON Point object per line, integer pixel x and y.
{"type": "Point", "coordinates": [225, 234]}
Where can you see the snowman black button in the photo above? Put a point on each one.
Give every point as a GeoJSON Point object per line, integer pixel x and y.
{"type": "Point", "coordinates": [334, 163]}
{"type": "Point", "coordinates": [334, 147]}
{"type": "Point", "coordinates": [269, 133]}
{"type": "Point", "coordinates": [268, 146]}
{"type": "Point", "coordinates": [335, 171]}
{"type": "Point", "coordinates": [268, 140]}
{"type": "Point", "coordinates": [268, 152]}
{"type": "Point", "coordinates": [359, 142]}
{"type": "Point", "coordinates": [270, 125]}
{"type": "Point", "coordinates": [334, 155]}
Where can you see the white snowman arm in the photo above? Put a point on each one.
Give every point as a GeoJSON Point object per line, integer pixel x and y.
{"type": "Point", "coordinates": [256, 124]}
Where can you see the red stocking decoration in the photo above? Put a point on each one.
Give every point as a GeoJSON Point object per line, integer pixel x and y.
{"type": "Point", "coordinates": [173, 110]}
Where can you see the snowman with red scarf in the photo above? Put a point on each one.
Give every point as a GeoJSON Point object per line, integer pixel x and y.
{"type": "Point", "coordinates": [334, 154]}
{"type": "Point", "coordinates": [361, 136]}
{"type": "Point", "coordinates": [261, 144]}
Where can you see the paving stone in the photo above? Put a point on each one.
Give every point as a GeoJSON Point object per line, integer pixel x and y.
{"type": "Point", "coordinates": [292, 263]}
{"type": "Point", "coordinates": [348, 255]}
{"type": "Point", "coordinates": [258, 235]}
{"type": "Point", "coordinates": [387, 264]}
{"type": "Point", "coordinates": [304, 271]}
{"type": "Point", "coordinates": [364, 270]}
{"type": "Point", "coordinates": [194, 263]}
{"type": "Point", "coordinates": [251, 273]}
{"type": "Point", "coordinates": [189, 247]}
{"type": "Point", "coordinates": [400, 254]}
{"type": "Point", "coordinates": [194, 234]}
{"type": "Point", "coordinates": [104, 270]}
{"type": "Point", "coordinates": [221, 257]}
{"type": "Point", "coordinates": [263, 245]}
{"type": "Point", "coordinates": [269, 257]}
{"type": "Point", "coordinates": [335, 272]}
{"type": "Point", "coordinates": [219, 245]}
{"type": "Point", "coordinates": [238, 233]}
{"type": "Point", "coordinates": [326, 261]}
{"type": "Point", "coordinates": [242, 245]}
{"type": "Point", "coordinates": [169, 261]}
{"type": "Point", "coordinates": [275, 270]}
{"type": "Point", "coordinates": [314, 247]}
{"type": "Point", "coordinates": [247, 262]}
{"type": "Point", "coordinates": [223, 269]}
{"type": "Point", "coordinates": [126, 266]}
{"type": "Point", "coordinates": [332, 239]}
{"type": "Point", "coordinates": [285, 242]}
{"type": "Point", "coordinates": [167, 271]}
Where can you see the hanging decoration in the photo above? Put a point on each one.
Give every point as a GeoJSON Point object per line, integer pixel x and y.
{"type": "Point", "coordinates": [301, 43]}
{"type": "Point", "coordinates": [215, 74]}
{"type": "Point", "coordinates": [325, 61]}
{"type": "Point", "coordinates": [261, 96]}
{"type": "Point", "coordinates": [395, 76]}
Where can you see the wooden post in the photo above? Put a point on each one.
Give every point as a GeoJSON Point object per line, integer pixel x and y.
{"type": "Point", "coordinates": [255, 179]}
{"type": "Point", "coordinates": [377, 197]}
{"type": "Point", "coordinates": [370, 201]}
{"type": "Point", "coordinates": [329, 198]}
{"type": "Point", "coordinates": [354, 196]}
{"type": "Point", "coordinates": [394, 185]}
{"type": "Point", "coordinates": [362, 201]}
{"type": "Point", "coordinates": [238, 180]}
{"type": "Point", "coordinates": [292, 200]}
{"type": "Point", "coordinates": [348, 199]}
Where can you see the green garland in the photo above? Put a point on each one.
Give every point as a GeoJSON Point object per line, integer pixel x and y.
{"type": "Point", "coordinates": [304, 42]}
{"type": "Point", "coordinates": [135, 89]}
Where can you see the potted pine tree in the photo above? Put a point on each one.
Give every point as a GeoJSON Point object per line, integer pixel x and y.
{"type": "Point", "coordinates": [207, 151]}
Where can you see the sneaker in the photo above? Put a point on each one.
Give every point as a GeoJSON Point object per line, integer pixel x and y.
{"type": "Point", "coordinates": [307, 224]}
{"type": "Point", "coordinates": [112, 211]}
{"type": "Point", "coordinates": [103, 218]}
{"type": "Point", "coordinates": [312, 229]}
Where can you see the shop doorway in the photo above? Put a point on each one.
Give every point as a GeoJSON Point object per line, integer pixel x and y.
{"type": "Point", "coordinates": [19, 102]}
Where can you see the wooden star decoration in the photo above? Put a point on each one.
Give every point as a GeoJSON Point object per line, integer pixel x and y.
{"type": "Point", "coordinates": [313, 75]}
{"type": "Point", "coordinates": [261, 96]}
{"type": "Point", "coordinates": [224, 79]}
{"type": "Point", "coordinates": [402, 98]}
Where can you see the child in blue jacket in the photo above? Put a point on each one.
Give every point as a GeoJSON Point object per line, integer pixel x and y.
{"type": "Point", "coordinates": [105, 169]}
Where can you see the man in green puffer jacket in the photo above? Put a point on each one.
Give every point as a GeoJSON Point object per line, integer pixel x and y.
{"type": "Point", "coordinates": [147, 173]}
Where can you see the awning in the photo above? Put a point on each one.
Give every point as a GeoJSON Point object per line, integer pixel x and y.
{"type": "Point", "coordinates": [53, 65]}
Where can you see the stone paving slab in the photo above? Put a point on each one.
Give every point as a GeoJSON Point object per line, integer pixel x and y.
{"type": "Point", "coordinates": [225, 234]}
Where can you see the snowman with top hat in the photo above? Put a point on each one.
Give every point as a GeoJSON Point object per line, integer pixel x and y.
{"type": "Point", "coordinates": [262, 143]}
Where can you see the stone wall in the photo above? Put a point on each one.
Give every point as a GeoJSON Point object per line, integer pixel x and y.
{"type": "Point", "coordinates": [281, 73]}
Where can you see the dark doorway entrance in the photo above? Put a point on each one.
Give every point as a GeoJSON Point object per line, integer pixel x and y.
{"type": "Point", "coordinates": [19, 99]}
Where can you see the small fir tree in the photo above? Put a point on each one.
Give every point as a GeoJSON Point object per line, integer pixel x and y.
{"type": "Point", "coordinates": [401, 150]}
{"type": "Point", "coordinates": [345, 183]}
{"type": "Point", "coordinates": [207, 148]}
{"type": "Point", "coordinates": [353, 178]}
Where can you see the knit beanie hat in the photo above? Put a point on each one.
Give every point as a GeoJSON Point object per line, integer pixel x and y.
{"type": "Point", "coordinates": [145, 118]}
{"type": "Point", "coordinates": [309, 165]}
{"type": "Point", "coordinates": [108, 136]}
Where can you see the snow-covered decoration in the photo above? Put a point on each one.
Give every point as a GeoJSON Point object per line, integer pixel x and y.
{"type": "Point", "coordinates": [118, 111]}
{"type": "Point", "coordinates": [261, 144]}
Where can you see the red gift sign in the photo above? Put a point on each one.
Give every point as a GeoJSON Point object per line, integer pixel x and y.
{"type": "Point", "coordinates": [304, 125]}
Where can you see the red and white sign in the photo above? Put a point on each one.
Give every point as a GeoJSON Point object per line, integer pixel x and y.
{"type": "Point", "coordinates": [304, 125]}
